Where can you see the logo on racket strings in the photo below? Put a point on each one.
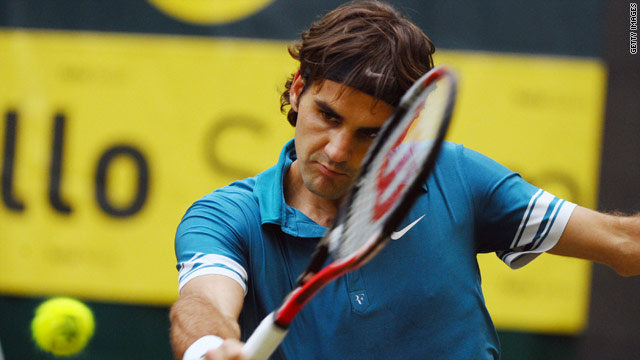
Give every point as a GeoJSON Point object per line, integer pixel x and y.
{"type": "Point", "coordinates": [393, 173]}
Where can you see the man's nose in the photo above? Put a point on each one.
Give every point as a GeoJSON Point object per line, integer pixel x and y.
{"type": "Point", "coordinates": [339, 146]}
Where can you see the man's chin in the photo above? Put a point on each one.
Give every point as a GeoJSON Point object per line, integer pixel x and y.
{"type": "Point", "coordinates": [329, 193]}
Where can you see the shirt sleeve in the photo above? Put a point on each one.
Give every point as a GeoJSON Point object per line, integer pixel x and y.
{"type": "Point", "coordinates": [515, 219]}
{"type": "Point", "coordinates": [211, 240]}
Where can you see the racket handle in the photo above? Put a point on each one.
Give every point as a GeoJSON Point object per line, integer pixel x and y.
{"type": "Point", "coordinates": [265, 339]}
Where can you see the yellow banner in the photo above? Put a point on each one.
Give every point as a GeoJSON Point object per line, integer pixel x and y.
{"type": "Point", "coordinates": [107, 139]}
{"type": "Point", "coordinates": [193, 114]}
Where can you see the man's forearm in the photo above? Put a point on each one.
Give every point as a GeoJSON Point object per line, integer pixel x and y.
{"type": "Point", "coordinates": [193, 317]}
{"type": "Point", "coordinates": [609, 239]}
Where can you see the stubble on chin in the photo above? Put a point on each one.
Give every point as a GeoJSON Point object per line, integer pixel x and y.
{"type": "Point", "coordinates": [322, 186]}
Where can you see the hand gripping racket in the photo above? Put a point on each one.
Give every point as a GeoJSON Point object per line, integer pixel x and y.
{"type": "Point", "coordinates": [392, 173]}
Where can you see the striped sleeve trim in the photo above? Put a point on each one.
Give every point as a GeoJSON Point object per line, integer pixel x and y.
{"type": "Point", "coordinates": [211, 264]}
{"type": "Point", "coordinates": [540, 229]}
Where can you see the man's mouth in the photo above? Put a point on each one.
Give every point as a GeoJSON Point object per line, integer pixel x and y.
{"type": "Point", "coordinates": [331, 171]}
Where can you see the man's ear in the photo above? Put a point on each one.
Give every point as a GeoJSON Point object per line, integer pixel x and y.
{"type": "Point", "coordinates": [297, 86]}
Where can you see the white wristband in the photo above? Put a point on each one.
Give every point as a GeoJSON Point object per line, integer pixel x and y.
{"type": "Point", "coordinates": [199, 348]}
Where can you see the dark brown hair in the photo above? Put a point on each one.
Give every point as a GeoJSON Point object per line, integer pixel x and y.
{"type": "Point", "coordinates": [367, 45]}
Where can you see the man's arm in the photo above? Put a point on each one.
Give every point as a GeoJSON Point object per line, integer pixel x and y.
{"type": "Point", "coordinates": [609, 239]}
{"type": "Point", "coordinates": [208, 305]}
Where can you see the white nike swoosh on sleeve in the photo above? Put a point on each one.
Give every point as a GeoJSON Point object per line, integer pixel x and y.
{"type": "Point", "coordinates": [398, 234]}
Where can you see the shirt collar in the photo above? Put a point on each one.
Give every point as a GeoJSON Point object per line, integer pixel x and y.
{"type": "Point", "coordinates": [273, 208]}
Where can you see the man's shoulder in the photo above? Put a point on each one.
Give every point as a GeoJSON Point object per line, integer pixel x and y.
{"type": "Point", "coordinates": [458, 156]}
{"type": "Point", "coordinates": [451, 150]}
{"type": "Point", "coordinates": [450, 157]}
{"type": "Point", "coordinates": [238, 195]}
{"type": "Point", "coordinates": [239, 188]}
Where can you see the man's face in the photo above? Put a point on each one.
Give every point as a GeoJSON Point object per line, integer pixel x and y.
{"type": "Point", "coordinates": [333, 133]}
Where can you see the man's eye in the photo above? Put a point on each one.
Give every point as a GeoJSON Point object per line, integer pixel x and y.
{"type": "Point", "coordinates": [368, 135]}
{"type": "Point", "coordinates": [328, 116]}
{"type": "Point", "coordinates": [371, 134]}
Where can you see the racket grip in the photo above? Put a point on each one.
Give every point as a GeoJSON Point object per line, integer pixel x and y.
{"type": "Point", "coordinates": [265, 339]}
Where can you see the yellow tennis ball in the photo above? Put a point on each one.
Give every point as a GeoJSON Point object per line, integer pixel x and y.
{"type": "Point", "coordinates": [62, 326]}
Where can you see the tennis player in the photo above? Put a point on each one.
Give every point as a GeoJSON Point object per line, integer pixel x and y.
{"type": "Point", "coordinates": [240, 248]}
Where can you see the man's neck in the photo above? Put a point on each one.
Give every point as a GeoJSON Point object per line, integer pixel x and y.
{"type": "Point", "coordinates": [317, 208]}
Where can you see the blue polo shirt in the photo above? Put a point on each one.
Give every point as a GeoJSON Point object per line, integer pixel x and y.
{"type": "Point", "coordinates": [420, 297]}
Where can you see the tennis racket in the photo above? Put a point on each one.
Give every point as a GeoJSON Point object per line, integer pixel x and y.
{"type": "Point", "coordinates": [392, 173]}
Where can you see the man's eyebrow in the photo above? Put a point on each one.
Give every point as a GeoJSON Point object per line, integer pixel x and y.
{"type": "Point", "coordinates": [326, 108]}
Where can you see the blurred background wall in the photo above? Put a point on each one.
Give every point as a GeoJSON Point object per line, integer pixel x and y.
{"type": "Point", "coordinates": [117, 115]}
